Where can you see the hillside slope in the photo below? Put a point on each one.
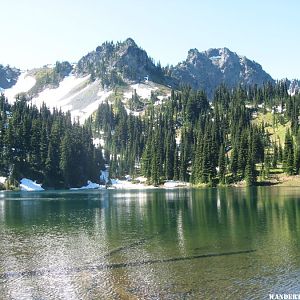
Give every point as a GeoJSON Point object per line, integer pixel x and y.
{"type": "Point", "coordinates": [125, 67]}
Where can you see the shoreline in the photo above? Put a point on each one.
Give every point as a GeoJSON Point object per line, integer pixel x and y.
{"type": "Point", "coordinates": [280, 180]}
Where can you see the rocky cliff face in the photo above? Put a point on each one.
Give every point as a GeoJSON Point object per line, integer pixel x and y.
{"type": "Point", "coordinates": [125, 61]}
{"type": "Point", "coordinates": [120, 62]}
{"type": "Point", "coordinates": [8, 76]}
{"type": "Point", "coordinates": [207, 70]}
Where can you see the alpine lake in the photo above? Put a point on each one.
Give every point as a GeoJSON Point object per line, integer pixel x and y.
{"type": "Point", "coordinates": [231, 243]}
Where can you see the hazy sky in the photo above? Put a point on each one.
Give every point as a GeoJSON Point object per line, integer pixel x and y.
{"type": "Point", "coordinates": [37, 32]}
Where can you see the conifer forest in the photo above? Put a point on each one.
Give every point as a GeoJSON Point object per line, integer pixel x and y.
{"type": "Point", "coordinates": [245, 133]}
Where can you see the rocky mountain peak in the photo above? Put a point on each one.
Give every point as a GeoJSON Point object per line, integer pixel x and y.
{"type": "Point", "coordinates": [114, 63]}
{"type": "Point", "coordinates": [193, 53]}
{"type": "Point", "coordinates": [127, 62]}
{"type": "Point", "coordinates": [212, 52]}
{"type": "Point", "coordinates": [130, 42]}
{"type": "Point", "coordinates": [8, 76]}
{"type": "Point", "coordinates": [206, 70]}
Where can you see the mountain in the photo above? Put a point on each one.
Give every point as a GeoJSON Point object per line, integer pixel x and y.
{"type": "Point", "coordinates": [125, 70]}
{"type": "Point", "coordinates": [207, 70]}
{"type": "Point", "coordinates": [119, 63]}
{"type": "Point", "coordinates": [125, 62]}
{"type": "Point", "coordinates": [8, 76]}
{"type": "Point", "coordinates": [122, 68]}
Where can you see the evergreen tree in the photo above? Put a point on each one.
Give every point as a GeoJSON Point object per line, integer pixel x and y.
{"type": "Point", "coordinates": [66, 163]}
{"type": "Point", "coordinates": [234, 161]}
{"type": "Point", "coordinates": [275, 156]}
{"type": "Point", "coordinates": [222, 165]}
{"type": "Point", "coordinates": [288, 154]}
{"type": "Point", "coordinates": [250, 172]}
{"type": "Point", "coordinates": [53, 174]}
{"type": "Point", "coordinates": [267, 165]}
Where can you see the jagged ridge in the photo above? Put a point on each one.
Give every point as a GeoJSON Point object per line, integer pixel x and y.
{"type": "Point", "coordinates": [125, 64]}
{"type": "Point", "coordinates": [119, 63]}
{"type": "Point", "coordinates": [207, 70]}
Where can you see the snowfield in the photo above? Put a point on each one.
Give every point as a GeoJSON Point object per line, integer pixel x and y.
{"type": "Point", "coordinates": [84, 113]}
{"type": "Point", "coordinates": [78, 95]}
{"type": "Point", "coordinates": [23, 85]}
{"type": "Point", "coordinates": [74, 94]}
{"type": "Point", "coordinates": [143, 90]}
{"type": "Point", "coordinates": [62, 96]}
{"type": "Point", "coordinates": [58, 97]}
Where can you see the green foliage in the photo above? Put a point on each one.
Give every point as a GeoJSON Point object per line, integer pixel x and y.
{"type": "Point", "coordinates": [222, 165]}
{"type": "Point", "coordinates": [185, 138]}
{"type": "Point", "coordinates": [135, 103]}
{"type": "Point", "coordinates": [220, 137]}
{"type": "Point", "coordinates": [288, 154]}
{"type": "Point", "coordinates": [46, 146]}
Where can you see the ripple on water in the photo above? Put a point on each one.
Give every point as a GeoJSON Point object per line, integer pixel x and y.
{"type": "Point", "coordinates": [149, 245]}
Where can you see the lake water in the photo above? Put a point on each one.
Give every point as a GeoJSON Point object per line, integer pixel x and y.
{"type": "Point", "coordinates": [150, 244]}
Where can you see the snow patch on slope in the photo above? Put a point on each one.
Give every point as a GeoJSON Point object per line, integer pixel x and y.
{"type": "Point", "coordinates": [125, 184]}
{"type": "Point", "coordinates": [74, 94]}
{"type": "Point", "coordinates": [24, 84]}
{"type": "Point", "coordinates": [84, 113]}
{"type": "Point", "coordinates": [29, 185]}
{"type": "Point", "coordinates": [78, 95]}
{"type": "Point", "coordinates": [58, 97]}
{"type": "Point", "coordinates": [143, 90]}
{"type": "Point", "coordinates": [90, 186]}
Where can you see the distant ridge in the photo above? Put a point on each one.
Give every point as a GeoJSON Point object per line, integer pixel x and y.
{"type": "Point", "coordinates": [208, 69]}
{"type": "Point", "coordinates": [126, 61]}
{"type": "Point", "coordinates": [81, 86]}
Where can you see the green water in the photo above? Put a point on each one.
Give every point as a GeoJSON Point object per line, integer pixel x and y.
{"type": "Point", "coordinates": [150, 244]}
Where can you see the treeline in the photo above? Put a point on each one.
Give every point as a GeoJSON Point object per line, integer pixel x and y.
{"type": "Point", "coordinates": [186, 138]}
{"type": "Point", "coordinates": [46, 146]}
{"type": "Point", "coordinates": [189, 139]}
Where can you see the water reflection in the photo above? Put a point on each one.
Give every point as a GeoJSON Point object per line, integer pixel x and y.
{"type": "Point", "coordinates": [137, 243]}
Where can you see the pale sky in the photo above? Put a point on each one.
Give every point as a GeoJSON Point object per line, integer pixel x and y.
{"type": "Point", "coordinates": [38, 32]}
